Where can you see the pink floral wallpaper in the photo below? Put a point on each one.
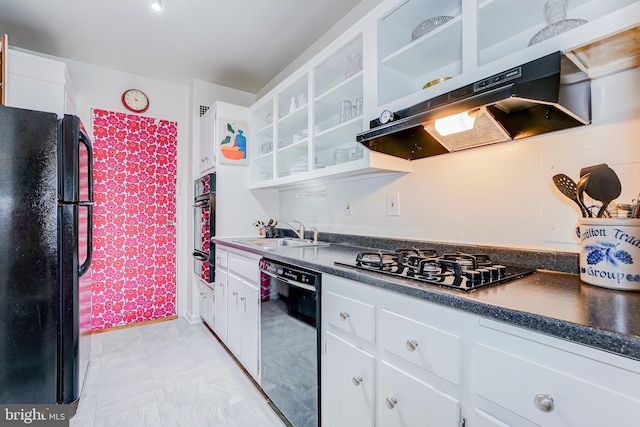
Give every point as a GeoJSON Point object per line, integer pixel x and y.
{"type": "Point", "coordinates": [134, 265]}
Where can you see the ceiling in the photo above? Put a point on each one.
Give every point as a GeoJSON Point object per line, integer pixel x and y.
{"type": "Point", "coordinates": [241, 44]}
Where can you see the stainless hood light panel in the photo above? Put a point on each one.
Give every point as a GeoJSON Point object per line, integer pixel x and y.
{"type": "Point", "coordinates": [544, 95]}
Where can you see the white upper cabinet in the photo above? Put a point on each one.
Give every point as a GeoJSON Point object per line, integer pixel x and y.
{"type": "Point", "coordinates": [419, 41]}
{"type": "Point", "coordinates": [426, 42]}
{"type": "Point", "coordinates": [504, 29]}
{"type": "Point", "coordinates": [306, 127]}
{"type": "Point", "coordinates": [338, 107]}
{"type": "Point", "coordinates": [292, 128]}
{"type": "Point", "coordinates": [262, 148]}
{"type": "Point", "coordinates": [207, 141]}
{"type": "Point", "coordinates": [38, 83]}
{"type": "Point", "coordinates": [401, 53]}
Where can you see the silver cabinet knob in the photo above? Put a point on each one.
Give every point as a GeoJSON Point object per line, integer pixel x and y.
{"type": "Point", "coordinates": [234, 293]}
{"type": "Point", "coordinates": [544, 402]}
{"type": "Point", "coordinates": [391, 402]}
{"type": "Point", "coordinates": [344, 315]}
{"type": "Point", "coordinates": [242, 298]}
{"type": "Point", "coordinates": [411, 345]}
{"type": "Point", "coordinates": [356, 380]}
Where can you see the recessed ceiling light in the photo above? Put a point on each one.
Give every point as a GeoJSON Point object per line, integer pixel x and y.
{"type": "Point", "coordinates": [157, 5]}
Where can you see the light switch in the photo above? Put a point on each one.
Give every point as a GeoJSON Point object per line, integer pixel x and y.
{"type": "Point", "coordinates": [393, 204]}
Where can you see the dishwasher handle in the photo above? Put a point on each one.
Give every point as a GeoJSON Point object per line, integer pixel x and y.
{"type": "Point", "coordinates": [291, 282]}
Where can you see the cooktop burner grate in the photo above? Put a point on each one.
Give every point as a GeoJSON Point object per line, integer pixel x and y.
{"type": "Point", "coordinates": [458, 270]}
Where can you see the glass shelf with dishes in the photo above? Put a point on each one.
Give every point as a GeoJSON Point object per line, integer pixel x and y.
{"type": "Point", "coordinates": [293, 160]}
{"type": "Point", "coordinates": [416, 50]}
{"type": "Point", "coordinates": [293, 128]}
{"type": "Point", "coordinates": [338, 145]}
{"type": "Point", "coordinates": [504, 29]}
{"type": "Point", "coordinates": [338, 106]}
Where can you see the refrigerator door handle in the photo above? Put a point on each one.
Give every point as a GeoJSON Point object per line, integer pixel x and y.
{"type": "Point", "coordinates": [87, 263]}
{"type": "Point", "coordinates": [84, 139]}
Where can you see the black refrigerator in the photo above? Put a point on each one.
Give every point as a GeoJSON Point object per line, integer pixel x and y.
{"type": "Point", "coordinates": [46, 209]}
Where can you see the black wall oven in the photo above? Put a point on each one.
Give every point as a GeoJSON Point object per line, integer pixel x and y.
{"type": "Point", "coordinates": [204, 227]}
{"type": "Point", "coordinates": [290, 340]}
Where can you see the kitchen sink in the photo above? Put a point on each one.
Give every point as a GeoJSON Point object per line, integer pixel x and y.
{"type": "Point", "coordinates": [281, 242]}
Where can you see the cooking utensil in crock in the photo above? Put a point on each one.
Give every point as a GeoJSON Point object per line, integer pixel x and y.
{"type": "Point", "coordinates": [568, 187]}
{"type": "Point", "coordinates": [580, 187]}
{"type": "Point", "coordinates": [588, 169]}
{"type": "Point", "coordinates": [603, 185]}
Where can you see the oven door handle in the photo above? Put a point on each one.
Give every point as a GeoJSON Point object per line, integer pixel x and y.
{"type": "Point", "coordinates": [201, 204]}
{"type": "Point", "coordinates": [291, 282]}
{"type": "Point", "coordinates": [200, 256]}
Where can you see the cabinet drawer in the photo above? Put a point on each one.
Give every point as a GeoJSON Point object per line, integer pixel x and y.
{"type": "Point", "coordinates": [432, 349]}
{"type": "Point", "coordinates": [516, 383]}
{"type": "Point", "coordinates": [350, 315]}
{"type": "Point", "coordinates": [405, 401]}
{"type": "Point", "coordinates": [221, 258]}
{"type": "Point", "coordinates": [244, 267]}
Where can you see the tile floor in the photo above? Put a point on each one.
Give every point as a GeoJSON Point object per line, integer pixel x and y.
{"type": "Point", "coordinates": [168, 374]}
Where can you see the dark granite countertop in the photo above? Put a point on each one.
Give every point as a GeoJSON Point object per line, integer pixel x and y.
{"type": "Point", "coordinates": [555, 303]}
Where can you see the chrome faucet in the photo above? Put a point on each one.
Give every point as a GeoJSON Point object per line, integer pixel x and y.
{"type": "Point", "coordinates": [299, 232]}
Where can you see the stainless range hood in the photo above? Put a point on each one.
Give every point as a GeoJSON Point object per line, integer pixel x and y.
{"type": "Point", "coordinates": [545, 95]}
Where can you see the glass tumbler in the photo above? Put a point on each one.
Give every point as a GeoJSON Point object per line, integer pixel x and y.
{"type": "Point", "coordinates": [345, 111]}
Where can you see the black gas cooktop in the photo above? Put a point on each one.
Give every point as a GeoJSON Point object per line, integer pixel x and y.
{"type": "Point", "coordinates": [458, 270]}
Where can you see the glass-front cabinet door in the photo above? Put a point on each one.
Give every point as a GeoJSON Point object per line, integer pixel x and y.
{"type": "Point", "coordinates": [338, 107]}
{"type": "Point", "coordinates": [262, 147]}
{"type": "Point", "coordinates": [419, 45]}
{"type": "Point", "coordinates": [506, 27]}
{"type": "Point", "coordinates": [292, 129]}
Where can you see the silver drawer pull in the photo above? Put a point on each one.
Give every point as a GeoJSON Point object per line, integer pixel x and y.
{"type": "Point", "coordinates": [356, 381]}
{"type": "Point", "coordinates": [344, 315]}
{"type": "Point", "coordinates": [411, 345]}
{"type": "Point", "coordinates": [391, 402]}
{"type": "Point", "coordinates": [242, 298]}
{"type": "Point", "coordinates": [544, 402]}
{"type": "Point", "coordinates": [234, 293]}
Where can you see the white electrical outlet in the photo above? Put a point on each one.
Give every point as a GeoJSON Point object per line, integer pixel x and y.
{"type": "Point", "coordinates": [393, 204]}
{"type": "Point", "coordinates": [348, 207]}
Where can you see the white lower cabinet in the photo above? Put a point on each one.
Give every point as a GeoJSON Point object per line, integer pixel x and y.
{"type": "Point", "coordinates": [388, 359]}
{"type": "Point", "coordinates": [220, 290]}
{"type": "Point", "coordinates": [547, 382]}
{"type": "Point", "coordinates": [349, 384]}
{"type": "Point", "coordinates": [206, 300]}
{"type": "Point", "coordinates": [234, 314]}
{"type": "Point", "coordinates": [393, 360]}
{"type": "Point", "coordinates": [405, 401]}
{"type": "Point", "coordinates": [238, 297]}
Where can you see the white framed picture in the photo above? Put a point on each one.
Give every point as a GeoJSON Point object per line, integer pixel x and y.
{"type": "Point", "coordinates": [233, 145]}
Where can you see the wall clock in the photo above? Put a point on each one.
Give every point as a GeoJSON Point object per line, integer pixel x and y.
{"type": "Point", "coordinates": [135, 100]}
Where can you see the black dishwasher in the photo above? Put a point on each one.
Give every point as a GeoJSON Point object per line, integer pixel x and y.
{"type": "Point", "coordinates": [290, 340]}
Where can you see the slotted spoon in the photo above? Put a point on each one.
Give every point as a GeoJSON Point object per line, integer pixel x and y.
{"type": "Point", "coordinates": [568, 187]}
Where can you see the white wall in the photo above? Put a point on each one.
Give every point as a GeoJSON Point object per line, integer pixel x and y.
{"type": "Point", "coordinates": [495, 195]}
